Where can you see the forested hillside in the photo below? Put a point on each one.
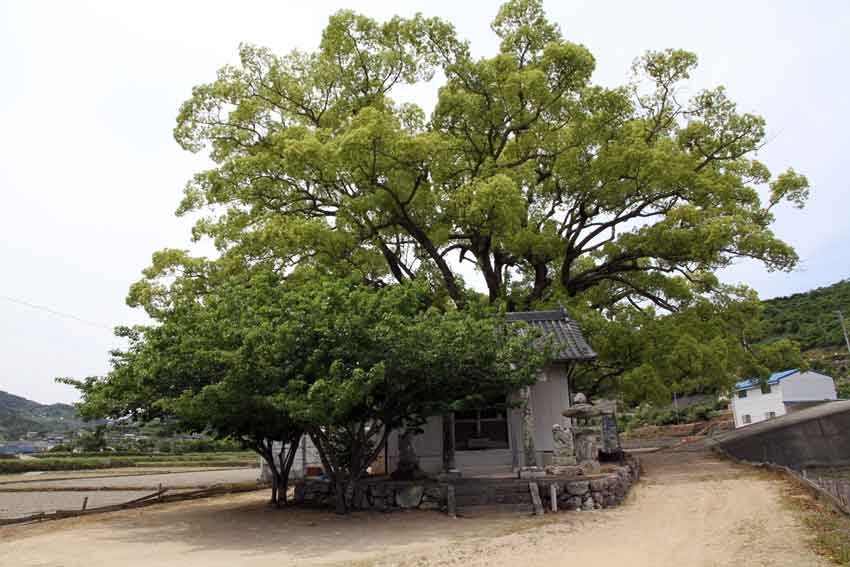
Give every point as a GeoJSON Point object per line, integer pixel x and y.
{"type": "Point", "coordinates": [809, 318]}
{"type": "Point", "coordinates": [19, 415]}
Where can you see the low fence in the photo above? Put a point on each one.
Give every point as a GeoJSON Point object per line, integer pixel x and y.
{"type": "Point", "coordinates": [159, 496]}
{"type": "Point", "coordinates": [838, 488]}
{"type": "Point", "coordinates": [800, 445]}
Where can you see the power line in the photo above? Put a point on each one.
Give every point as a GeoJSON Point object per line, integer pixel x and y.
{"type": "Point", "coordinates": [55, 312]}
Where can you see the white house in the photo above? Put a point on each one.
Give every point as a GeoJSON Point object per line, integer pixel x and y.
{"type": "Point", "coordinates": [784, 392]}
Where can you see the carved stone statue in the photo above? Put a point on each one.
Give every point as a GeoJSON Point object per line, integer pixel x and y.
{"type": "Point", "coordinates": [564, 446]}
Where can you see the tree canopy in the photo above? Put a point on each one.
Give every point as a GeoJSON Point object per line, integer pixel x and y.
{"type": "Point", "coordinates": [549, 185]}
{"type": "Point", "coordinates": [267, 360]}
{"type": "Point", "coordinates": [342, 218]}
{"type": "Point", "coordinates": [704, 347]}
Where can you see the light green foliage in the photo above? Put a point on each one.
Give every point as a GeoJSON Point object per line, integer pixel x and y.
{"type": "Point", "coordinates": [844, 390]}
{"type": "Point", "coordinates": [546, 182]}
{"type": "Point", "coordinates": [618, 201]}
{"type": "Point", "coordinates": [704, 347]}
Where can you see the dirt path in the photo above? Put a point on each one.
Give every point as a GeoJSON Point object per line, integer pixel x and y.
{"type": "Point", "coordinates": [690, 509]}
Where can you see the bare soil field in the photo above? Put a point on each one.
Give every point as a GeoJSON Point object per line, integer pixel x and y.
{"type": "Point", "coordinates": [39, 476]}
{"type": "Point", "coordinates": [170, 479]}
{"type": "Point", "coordinates": [52, 492]}
{"type": "Point", "coordinates": [18, 504]}
{"type": "Point", "coordinates": [690, 509]}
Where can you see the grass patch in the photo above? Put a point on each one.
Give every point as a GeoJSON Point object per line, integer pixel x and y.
{"type": "Point", "coordinates": [829, 529]}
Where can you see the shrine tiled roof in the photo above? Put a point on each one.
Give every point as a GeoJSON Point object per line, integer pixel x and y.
{"type": "Point", "coordinates": [569, 342]}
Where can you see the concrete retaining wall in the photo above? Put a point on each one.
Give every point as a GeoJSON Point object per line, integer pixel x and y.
{"type": "Point", "coordinates": [818, 436]}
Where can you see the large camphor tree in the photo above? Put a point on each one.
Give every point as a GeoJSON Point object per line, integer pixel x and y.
{"type": "Point", "coordinates": [622, 202]}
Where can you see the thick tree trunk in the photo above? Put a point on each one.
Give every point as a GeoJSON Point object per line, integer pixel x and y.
{"type": "Point", "coordinates": [408, 461]}
{"type": "Point", "coordinates": [344, 481]}
{"type": "Point", "coordinates": [339, 491]}
{"type": "Point", "coordinates": [286, 464]}
{"type": "Point", "coordinates": [541, 283]}
{"type": "Point", "coordinates": [454, 290]}
{"type": "Point", "coordinates": [264, 448]}
{"type": "Point", "coordinates": [448, 442]}
{"type": "Point", "coordinates": [275, 481]}
{"type": "Point", "coordinates": [331, 469]}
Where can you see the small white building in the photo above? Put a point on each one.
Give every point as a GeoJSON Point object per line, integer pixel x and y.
{"type": "Point", "coordinates": [493, 441]}
{"type": "Point", "coordinates": [784, 392]}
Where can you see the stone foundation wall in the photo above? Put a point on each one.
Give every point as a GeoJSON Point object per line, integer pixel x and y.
{"type": "Point", "coordinates": [592, 492]}
{"type": "Point", "coordinates": [378, 494]}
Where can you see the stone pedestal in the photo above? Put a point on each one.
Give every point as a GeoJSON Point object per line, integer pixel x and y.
{"type": "Point", "coordinates": [529, 451]}
{"type": "Point", "coordinates": [595, 434]}
{"type": "Point", "coordinates": [587, 441]}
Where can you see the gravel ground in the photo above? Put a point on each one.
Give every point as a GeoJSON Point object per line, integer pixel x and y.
{"type": "Point", "coordinates": [689, 510]}
{"type": "Point", "coordinates": [191, 479]}
{"type": "Point", "coordinates": [17, 504]}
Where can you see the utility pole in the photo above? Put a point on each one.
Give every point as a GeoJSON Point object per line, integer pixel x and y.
{"type": "Point", "coordinates": [844, 328]}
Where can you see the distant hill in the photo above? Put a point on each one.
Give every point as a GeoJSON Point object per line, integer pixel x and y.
{"type": "Point", "coordinates": [809, 318]}
{"type": "Point", "coordinates": [19, 415]}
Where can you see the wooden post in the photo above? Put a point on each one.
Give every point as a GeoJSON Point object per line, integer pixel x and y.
{"type": "Point", "coordinates": [512, 428]}
{"type": "Point", "coordinates": [449, 442]}
{"type": "Point", "coordinates": [553, 494]}
{"type": "Point", "coordinates": [451, 501]}
{"type": "Point", "coordinates": [535, 498]}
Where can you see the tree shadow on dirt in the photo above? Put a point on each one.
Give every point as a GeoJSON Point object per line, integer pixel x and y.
{"type": "Point", "coordinates": [247, 525]}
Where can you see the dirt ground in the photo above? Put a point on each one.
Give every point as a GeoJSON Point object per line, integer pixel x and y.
{"type": "Point", "coordinates": [194, 478]}
{"type": "Point", "coordinates": [46, 493]}
{"type": "Point", "coordinates": [690, 509]}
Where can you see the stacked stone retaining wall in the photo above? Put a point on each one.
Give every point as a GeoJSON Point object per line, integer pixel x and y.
{"type": "Point", "coordinates": [591, 492]}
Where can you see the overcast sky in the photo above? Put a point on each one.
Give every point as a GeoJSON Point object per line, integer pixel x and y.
{"type": "Point", "coordinates": [90, 175]}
